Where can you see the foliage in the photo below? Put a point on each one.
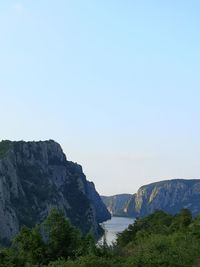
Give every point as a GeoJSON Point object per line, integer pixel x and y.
{"type": "Point", "coordinates": [62, 239]}
{"type": "Point", "coordinates": [161, 239]}
{"type": "Point", "coordinates": [55, 238]}
{"type": "Point", "coordinates": [29, 246]}
{"type": "Point", "coordinates": [157, 222]}
{"type": "Point", "coordinates": [158, 240]}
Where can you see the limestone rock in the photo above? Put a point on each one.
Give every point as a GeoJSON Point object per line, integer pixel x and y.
{"type": "Point", "coordinates": [36, 176]}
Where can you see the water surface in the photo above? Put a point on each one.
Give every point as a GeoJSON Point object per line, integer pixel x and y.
{"type": "Point", "coordinates": [114, 226]}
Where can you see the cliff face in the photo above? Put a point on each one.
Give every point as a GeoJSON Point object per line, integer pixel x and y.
{"type": "Point", "coordinates": [102, 213]}
{"type": "Point", "coordinates": [36, 176]}
{"type": "Point", "coordinates": [117, 205]}
{"type": "Point", "coordinates": [170, 196]}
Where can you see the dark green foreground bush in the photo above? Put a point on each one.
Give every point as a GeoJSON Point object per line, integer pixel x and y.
{"type": "Point", "coordinates": [158, 240]}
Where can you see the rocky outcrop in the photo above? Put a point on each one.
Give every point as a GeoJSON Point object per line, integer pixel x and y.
{"type": "Point", "coordinates": [34, 178]}
{"type": "Point", "coordinates": [102, 213]}
{"type": "Point", "coordinates": [117, 204]}
{"type": "Point", "coordinates": [170, 196]}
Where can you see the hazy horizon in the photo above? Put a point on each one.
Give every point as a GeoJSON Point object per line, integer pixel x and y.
{"type": "Point", "coordinates": [115, 83]}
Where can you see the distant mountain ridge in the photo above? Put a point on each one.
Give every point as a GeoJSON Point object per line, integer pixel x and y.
{"type": "Point", "coordinates": [117, 204]}
{"type": "Point", "coordinates": [34, 178]}
{"type": "Point", "coordinates": [168, 195]}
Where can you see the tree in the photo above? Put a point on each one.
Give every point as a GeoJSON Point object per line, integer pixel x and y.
{"type": "Point", "coordinates": [61, 238]}
{"type": "Point", "coordinates": [186, 217]}
{"type": "Point", "coordinates": [29, 246]}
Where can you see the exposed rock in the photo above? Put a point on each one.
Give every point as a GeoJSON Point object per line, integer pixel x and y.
{"type": "Point", "coordinates": [117, 205]}
{"type": "Point", "coordinates": [36, 176]}
{"type": "Point", "coordinates": [102, 213]}
{"type": "Point", "coordinates": [170, 196]}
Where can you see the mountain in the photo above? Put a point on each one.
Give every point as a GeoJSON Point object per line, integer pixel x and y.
{"type": "Point", "coordinates": [34, 178]}
{"type": "Point", "coordinates": [169, 196]}
{"type": "Point", "coordinates": [102, 213]}
{"type": "Point", "coordinates": [117, 204]}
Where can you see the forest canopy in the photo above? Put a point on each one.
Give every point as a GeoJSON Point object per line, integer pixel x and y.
{"type": "Point", "coordinates": [159, 239]}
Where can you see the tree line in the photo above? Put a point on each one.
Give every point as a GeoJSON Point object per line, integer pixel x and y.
{"type": "Point", "coordinates": [159, 239]}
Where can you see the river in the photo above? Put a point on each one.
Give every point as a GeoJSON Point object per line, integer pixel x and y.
{"type": "Point", "coordinates": [114, 226]}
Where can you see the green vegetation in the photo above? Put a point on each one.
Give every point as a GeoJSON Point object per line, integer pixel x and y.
{"type": "Point", "coordinates": [159, 240]}
{"type": "Point", "coordinates": [4, 147]}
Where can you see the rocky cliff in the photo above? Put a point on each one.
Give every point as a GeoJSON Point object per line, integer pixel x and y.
{"type": "Point", "coordinates": [36, 176]}
{"type": "Point", "coordinates": [117, 204]}
{"type": "Point", "coordinates": [170, 196]}
{"type": "Point", "coordinates": [102, 213]}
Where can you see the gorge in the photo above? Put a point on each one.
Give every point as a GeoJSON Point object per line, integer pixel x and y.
{"type": "Point", "coordinates": [168, 195]}
{"type": "Point", "coordinates": [36, 177]}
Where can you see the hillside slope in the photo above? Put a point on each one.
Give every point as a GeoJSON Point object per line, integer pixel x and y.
{"type": "Point", "coordinates": [36, 176]}
{"type": "Point", "coordinates": [170, 196]}
{"type": "Point", "coordinates": [117, 204]}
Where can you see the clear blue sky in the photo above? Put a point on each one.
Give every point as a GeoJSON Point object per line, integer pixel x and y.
{"type": "Point", "coordinates": [116, 83]}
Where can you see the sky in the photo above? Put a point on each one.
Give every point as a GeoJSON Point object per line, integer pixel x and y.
{"type": "Point", "coordinates": [116, 83]}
